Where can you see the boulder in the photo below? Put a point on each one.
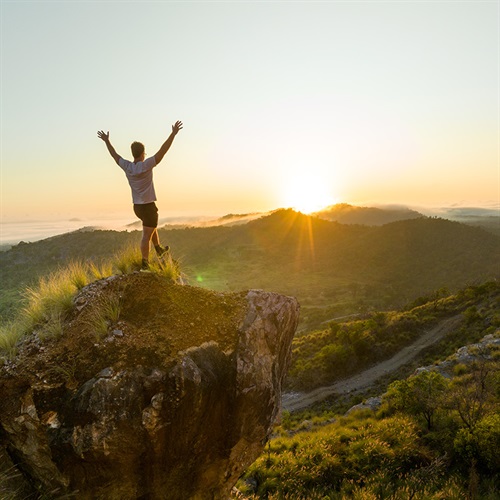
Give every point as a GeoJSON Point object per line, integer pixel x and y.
{"type": "Point", "coordinates": [372, 404]}
{"type": "Point", "coordinates": [172, 399]}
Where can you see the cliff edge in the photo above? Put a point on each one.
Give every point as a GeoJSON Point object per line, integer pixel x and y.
{"type": "Point", "coordinates": [151, 390]}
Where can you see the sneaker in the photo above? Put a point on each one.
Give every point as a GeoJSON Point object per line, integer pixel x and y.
{"type": "Point", "coordinates": [145, 265]}
{"type": "Point", "coordinates": [161, 251]}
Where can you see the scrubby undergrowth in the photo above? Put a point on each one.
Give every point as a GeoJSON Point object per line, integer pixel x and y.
{"type": "Point", "coordinates": [433, 438]}
{"type": "Point", "coordinates": [324, 356]}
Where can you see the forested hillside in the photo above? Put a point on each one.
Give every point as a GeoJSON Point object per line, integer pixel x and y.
{"type": "Point", "coordinates": [342, 348]}
{"type": "Point", "coordinates": [333, 269]}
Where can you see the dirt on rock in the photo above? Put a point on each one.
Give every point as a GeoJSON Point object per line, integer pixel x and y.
{"type": "Point", "coordinates": [135, 319]}
{"type": "Point", "coordinates": [147, 389]}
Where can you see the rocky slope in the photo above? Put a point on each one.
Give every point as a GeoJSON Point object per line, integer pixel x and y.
{"type": "Point", "coordinates": [173, 398]}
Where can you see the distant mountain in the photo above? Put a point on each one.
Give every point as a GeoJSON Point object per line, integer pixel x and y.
{"type": "Point", "coordinates": [287, 250]}
{"type": "Point", "coordinates": [487, 218]}
{"type": "Point", "coordinates": [230, 220]}
{"type": "Point", "coordinates": [201, 221]}
{"type": "Point", "coordinates": [369, 216]}
{"type": "Point", "coordinates": [342, 269]}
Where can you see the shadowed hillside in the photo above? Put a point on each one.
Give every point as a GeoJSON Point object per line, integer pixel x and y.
{"type": "Point", "coordinates": [319, 262]}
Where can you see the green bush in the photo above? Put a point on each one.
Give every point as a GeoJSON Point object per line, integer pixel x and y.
{"type": "Point", "coordinates": [482, 444]}
{"type": "Point", "coordinates": [420, 395]}
{"type": "Point", "coordinates": [327, 459]}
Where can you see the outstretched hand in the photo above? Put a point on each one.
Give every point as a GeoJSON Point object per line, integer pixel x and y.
{"type": "Point", "coordinates": [176, 127]}
{"type": "Point", "coordinates": [103, 135]}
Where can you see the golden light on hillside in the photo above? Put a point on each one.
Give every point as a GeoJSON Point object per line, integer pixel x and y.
{"type": "Point", "coordinates": [307, 193]}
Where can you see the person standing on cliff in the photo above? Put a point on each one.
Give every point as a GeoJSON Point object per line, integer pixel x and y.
{"type": "Point", "coordinates": [140, 177]}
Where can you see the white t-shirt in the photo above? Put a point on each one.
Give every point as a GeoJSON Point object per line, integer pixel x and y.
{"type": "Point", "coordinates": [140, 178]}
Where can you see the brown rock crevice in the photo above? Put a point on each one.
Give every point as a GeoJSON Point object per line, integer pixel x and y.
{"type": "Point", "coordinates": [156, 426]}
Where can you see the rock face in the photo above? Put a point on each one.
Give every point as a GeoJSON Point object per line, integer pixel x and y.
{"type": "Point", "coordinates": [174, 407]}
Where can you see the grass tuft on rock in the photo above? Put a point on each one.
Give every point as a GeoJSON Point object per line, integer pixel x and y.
{"type": "Point", "coordinates": [48, 303]}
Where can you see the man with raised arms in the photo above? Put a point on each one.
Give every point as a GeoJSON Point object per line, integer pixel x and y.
{"type": "Point", "coordinates": [140, 177]}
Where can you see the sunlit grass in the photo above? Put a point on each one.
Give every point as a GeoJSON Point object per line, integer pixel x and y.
{"type": "Point", "coordinates": [51, 298]}
{"type": "Point", "coordinates": [78, 274]}
{"type": "Point", "coordinates": [128, 259]}
{"type": "Point", "coordinates": [48, 303]}
{"type": "Point", "coordinates": [10, 334]}
{"type": "Point", "coordinates": [101, 270]}
{"type": "Point", "coordinates": [167, 267]}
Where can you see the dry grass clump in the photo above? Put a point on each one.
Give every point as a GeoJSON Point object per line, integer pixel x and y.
{"type": "Point", "coordinates": [166, 267]}
{"type": "Point", "coordinates": [52, 297]}
{"type": "Point", "coordinates": [10, 333]}
{"type": "Point", "coordinates": [101, 270]}
{"type": "Point", "coordinates": [105, 315]}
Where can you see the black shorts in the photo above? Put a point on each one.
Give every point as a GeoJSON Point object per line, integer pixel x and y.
{"type": "Point", "coordinates": [148, 213]}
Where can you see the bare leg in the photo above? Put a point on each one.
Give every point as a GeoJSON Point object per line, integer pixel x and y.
{"type": "Point", "coordinates": [147, 234]}
{"type": "Point", "coordinates": [155, 238]}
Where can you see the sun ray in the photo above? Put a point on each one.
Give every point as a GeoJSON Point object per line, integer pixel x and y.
{"type": "Point", "coordinates": [307, 193]}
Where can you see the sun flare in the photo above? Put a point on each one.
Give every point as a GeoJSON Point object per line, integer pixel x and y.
{"type": "Point", "coordinates": [307, 194]}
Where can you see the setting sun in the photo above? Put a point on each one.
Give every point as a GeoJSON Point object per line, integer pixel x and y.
{"type": "Point", "coordinates": [307, 194]}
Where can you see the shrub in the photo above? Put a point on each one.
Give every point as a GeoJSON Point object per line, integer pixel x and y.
{"type": "Point", "coordinates": [105, 315]}
{"type": "Point", "coordinates": [419, 395]}
{"type": "Point", "coordinates": [481, 444]}
{"type": "Point", "coordinates": [471, 315]}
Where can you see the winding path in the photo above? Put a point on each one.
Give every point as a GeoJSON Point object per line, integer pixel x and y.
{"type": "Point", "coordinates": [293, 401]}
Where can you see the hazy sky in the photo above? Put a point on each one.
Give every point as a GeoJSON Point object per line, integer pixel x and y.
{"type": "Point", "coordinates": [283, 103]}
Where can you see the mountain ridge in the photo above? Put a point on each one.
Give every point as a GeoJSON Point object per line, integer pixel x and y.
{"type": "Point", "coordinates": [370, 216]}
{"type": "Point", "coordinates": [294, 254]}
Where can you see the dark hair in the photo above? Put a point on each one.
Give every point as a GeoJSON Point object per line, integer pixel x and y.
{"type": "Point", "coordinates": [137, 149]}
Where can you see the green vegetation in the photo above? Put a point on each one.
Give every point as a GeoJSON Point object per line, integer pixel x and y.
{"type": "Point", "coordinates": [324, 356]}
{"type": "Point", "coordinates": [10, 333]}
{"type": "Point", "coordinates": [128, 260]}
{"type": "Point", "coordinates": [104, 316]}
{"type": "Point", "coordinates": [433, 438]}
{"type": "Point", "coordinates": [52, 297]}
{"type": "Point", "coordinates": [333, 269]}
{"type": "Point", "coordinates": [47, 305]}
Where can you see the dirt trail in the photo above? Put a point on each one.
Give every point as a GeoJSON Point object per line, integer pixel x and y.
{"type": "Point", "coordinates": [293, 401]}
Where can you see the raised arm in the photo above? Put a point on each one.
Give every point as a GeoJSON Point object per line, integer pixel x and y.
{"type": "Point", "coordinates": [105, 137]}
{"type": "Point", "coordinates": [166, 145]}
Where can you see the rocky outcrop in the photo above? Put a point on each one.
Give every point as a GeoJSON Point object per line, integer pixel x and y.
{"type": "Point", "coordinates": [466, 355]}
{"type": "Point", "coordinates": [174, 406]}
{"type": "Point", "coordinates": [372, 404]}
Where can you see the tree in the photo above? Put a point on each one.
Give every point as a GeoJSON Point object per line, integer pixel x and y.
{"type": "Point", "coordinates": [420, 395]}
{"type": "Point", "coordinates": [473, 394]}
{"type": "Point", "coordinates": [482, 443]}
